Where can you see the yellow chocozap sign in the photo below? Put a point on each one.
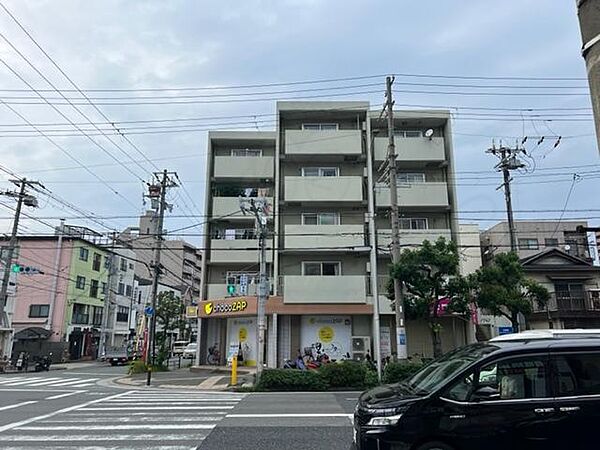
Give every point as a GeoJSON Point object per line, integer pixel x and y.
{"type": "Point", "coordinates": [243, 334]}
{"type": "Point", "coordinates": [326, 334]}
{"type": "Point", "coordinates": [208, 308]}
{"type": "Point", "coordinates": [224, 308]}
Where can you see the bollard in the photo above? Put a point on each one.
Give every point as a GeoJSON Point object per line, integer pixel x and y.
{"type": "Point", "coordinates": [234, 370]}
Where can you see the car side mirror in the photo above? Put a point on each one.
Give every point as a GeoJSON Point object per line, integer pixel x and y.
{"type": "Point", "coordinates": [485, 393]}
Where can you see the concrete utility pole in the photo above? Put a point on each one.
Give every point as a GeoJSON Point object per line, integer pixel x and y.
{"type": "Point", "coordinates": [108, 296]}
{"type": "Point", "coordinates": [29, 200]}
{"type": "Point", "coordinates": [53, 289]}
{"type": "Point", "coordinates": [401, 346]}
{"type": "Point", "coordinates": [508, 161]}
{"type": "Point", "coordinates": [259, 208]}
{"type": "Point", "coordinates": [165, 183]}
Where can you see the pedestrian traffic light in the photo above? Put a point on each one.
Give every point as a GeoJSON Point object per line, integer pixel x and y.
{"type": "Point", "coordinates": [231, 289]}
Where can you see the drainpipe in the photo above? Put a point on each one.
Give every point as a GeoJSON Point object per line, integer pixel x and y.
{"type": "Point", "coordinates": [53, 289]}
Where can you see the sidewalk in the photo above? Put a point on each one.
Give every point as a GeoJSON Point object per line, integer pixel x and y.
{"type": "Point", "coordinates": [198, 377]}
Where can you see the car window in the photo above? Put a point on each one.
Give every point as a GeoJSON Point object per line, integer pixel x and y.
{"type": "Point", "coordinates": [577, 374]}
{"type": "Point", "coordinates": [510, 379]}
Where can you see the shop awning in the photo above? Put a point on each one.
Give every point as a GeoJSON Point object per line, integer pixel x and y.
{"type": "Point", "coordinates": [32, 334]}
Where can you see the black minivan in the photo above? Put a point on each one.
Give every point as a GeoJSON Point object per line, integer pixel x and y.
{"type": "Point", "coordinates": [518, 393]}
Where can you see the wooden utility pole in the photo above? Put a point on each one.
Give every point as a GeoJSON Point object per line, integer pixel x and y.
{"type": "Point", "coordinates": [401, 346]}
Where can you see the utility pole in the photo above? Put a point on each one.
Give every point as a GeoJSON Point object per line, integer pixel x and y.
{"type": "Point", "coordinates": [401, 346]}
{"type": "Point", "coordinates": [108, 296]}
{"type": "Point", "coordinates": [155, 191]}
{"type": "Point", "coordinates": [29, 200]}
{"type": "Point", "coordinates": [508, 161]}
{"type": "Point", "coordinates": [53, 289]}
{"type": "Point", "coordinates": [260, 209]}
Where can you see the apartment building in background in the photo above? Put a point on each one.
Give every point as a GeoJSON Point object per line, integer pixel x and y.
{"type": "Point", "coordinates": [319, 172]}
{"type": "Point", "coordinates": [181, 260]}
{"type": "Point", "coordinates": [560, 258]}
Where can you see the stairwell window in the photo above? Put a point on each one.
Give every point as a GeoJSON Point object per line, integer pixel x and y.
{"type": "Point", "coordinates": [97, 262]}
{"type": "Point", "coordinates": [411, 177]}
{"type": "Point", "coordinates": [320, 172]}
{"type": "Point", "coordinates": [413, 223]}
{"type": "Point", "coordinates": [325, 218]}
{"type": "Point", "coordinates": [408, 133]}
{"type": "Point", "coordinates": [246, 152]}
{"type": "Point", "coordinates": [320, 126]}
{"type": "Point", "coordinates": [94, 288]}
{"type": "Point", "coordinates": [321, 268]}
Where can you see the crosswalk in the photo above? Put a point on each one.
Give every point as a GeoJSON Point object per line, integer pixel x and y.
{"type": "Point", "coordinates": [34, 381]}
{"type": "Point", "coordinates": [149, 419]}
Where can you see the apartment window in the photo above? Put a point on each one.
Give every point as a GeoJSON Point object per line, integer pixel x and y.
{"type": "Point", "coordinates": [123, 265]}
{"type": "Point", "coordinates": [80, 314]}
{"type": "Point", "coordinates": [411, 177]}
{"type": "Point", "coordinates": [320, 172]}
{"type": "Point", "coordinates": [107, 262]}
{"type": "Point", "coordinates": [122, 314]}
{"type": "Point", "coordinates": [128, 290]}
{"type": "Point", "coordinates": [569, 290]}
{"type": "Point", "coordinates": [80, 282]}
{"type": "Point", "coordinates": [551, 242]}
{"type": "Point", "coordinates": [408, 133]}
{"type": "Point", "coordinates": [528, 244]}
{"type": "Point", "coordinates": [38, 311]}
{"type": "Point", "coordinates": [130, 266]}
{"type": "Point", "coordinates": [325, 218]}
{"type": "Point", "coordinates": [321, 268]}
{"type": "Point", "coordinates": [251, 152]}
{"type": "Point", "coordinates": [84, 253]}
{"type": "Point", "coordinates": [103, 288]}
{"type": "Point", "coordinates": [121, 289]}
{"type": "Point", "coordinates": [97, 316]}
{"type": "Point", "coordinates": [94, 288]}
{"type": "Point", "coordinates": [320, 126]}
{"type": "Point", "coordinates": [413, 223]}
{"type": "Point", "coordinates": [97, 262]}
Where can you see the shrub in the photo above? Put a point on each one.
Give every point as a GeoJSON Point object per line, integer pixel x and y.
{"type": "Point", "coordinates": [291, 380]}
{"type": "Point", "coordinates": [137, 366]}
{"type": "Point", "coordinates": [398, 371]}
{"type": "Point", "coordinates": [346, 374]}
{"type": "Point", "coordinates": [371, 379]}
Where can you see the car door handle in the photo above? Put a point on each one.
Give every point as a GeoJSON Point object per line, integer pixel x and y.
{"type": "Point", "coordinates": [569, 408]}
{"type": "Point", "coordinates": [457, 416]}
{"type": "Point", "coordinates": [543, 410]}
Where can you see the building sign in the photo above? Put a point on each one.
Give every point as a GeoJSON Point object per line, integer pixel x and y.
{"type": "Point", "coordinates": [191, 312]}
{"type": "Point", "coordinates": [328, 334]}
{"type": "Point", "coordinates": [385, 341]}
{"type": "Point", "coordinates": [223, 308]}
{"type": "Point", "coordinates": [242, 331]}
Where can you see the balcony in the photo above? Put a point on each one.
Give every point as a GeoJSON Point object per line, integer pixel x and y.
{"type": "Point", "coordinates": [307, 142]}
{"type": "Point", "coordinates": [237, 251]}
{"type": "Point", "coordinates": [590, 301]}
{"type": "Point", "coordinates": [412, 238]}
{"type": "Point", "coordinates": [324, 289]}
{"type": "Point", "coordinates": [323, 236]}
{"type": "Point", "coordinates": [224, 206]}
{"type": "Point", "coordinates": [240, 167]}
{"type": "Point", "coordinates": [324, 189]}
{"type": "Point", "coordinates": [80, 319]}
{"type": "Point", "coordinates": [417, 195]}
{"type": "Point", "coordinates": [412, 150]}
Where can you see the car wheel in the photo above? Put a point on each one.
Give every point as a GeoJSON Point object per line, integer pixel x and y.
{"type": "Point", "coordinates": [434, 446]}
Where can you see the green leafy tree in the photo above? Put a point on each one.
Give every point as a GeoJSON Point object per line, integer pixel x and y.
{"type": "Point", "coordinates": [430, 274]}
{"type": "Point", "coordinates": [503, 289]}
{"type": "Point", "coordinates": [169, 315]}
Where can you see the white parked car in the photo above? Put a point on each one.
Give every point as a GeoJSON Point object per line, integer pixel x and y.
{"type": "Point", "coordinates": [190, 350]}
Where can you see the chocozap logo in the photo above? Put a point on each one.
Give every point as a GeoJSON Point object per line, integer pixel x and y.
{"type": "Point", "coordinates": [223, 308]}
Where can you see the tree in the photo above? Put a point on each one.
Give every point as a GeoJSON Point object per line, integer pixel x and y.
{"type": "Point", "coordinates": [169, 315]}
{"type": "Point", "coordinates": [503, 289]}
{"type": "Point", "coordinates": [430, 276]}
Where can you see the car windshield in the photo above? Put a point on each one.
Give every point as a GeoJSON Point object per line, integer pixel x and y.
{"type": "Point", "coordinates": [443, 369]}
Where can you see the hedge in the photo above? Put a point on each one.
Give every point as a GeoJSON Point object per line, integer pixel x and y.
{"type": "Point", "coordinates": [346, 374]}
{"type": "Point", "coordinates": [291, 380]}
{"type": "Point", "coordinates": [398, 371]}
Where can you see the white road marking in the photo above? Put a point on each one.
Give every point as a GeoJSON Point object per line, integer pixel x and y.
{"type": "Point", "coordinates": [149, 426]}
{"type": "Point", "coordinates": [74, 381]}
{"type": "Point", "coordinates": [87, 438]}
{"type": "Point", "coordinates": [21, 423]}
{"type": "Point", "coordinates": [22, 381]}
{"type": "Point", "coordinates": [17, 405]}
{"type": "Point", "coordinates": [68, 394]}
{"type": "Point", "coordinates": [81, 385]}
{"type": "Point", "coordinates": [52, 381]}
{"type": "Point", "coordinates": [36, 390]}
{"type": "Point", "coordinates": [298, 415]}
{"type": "Point", "coordinates": [156, 408]}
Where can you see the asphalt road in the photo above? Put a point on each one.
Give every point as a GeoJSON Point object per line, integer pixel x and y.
{"type": "Point", "coordinates": [81, 408]}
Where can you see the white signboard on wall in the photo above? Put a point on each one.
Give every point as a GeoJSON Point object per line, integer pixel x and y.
{"type": "Point", "coordinates": [385, 341]}
{"type": "Point", "coordinates": [243, 330]}
{"type": "Point", "coordinates": [334, 333]}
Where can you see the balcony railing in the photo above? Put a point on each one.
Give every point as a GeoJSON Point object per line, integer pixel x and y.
{"type": "Point", "coordinates": [559, 303]}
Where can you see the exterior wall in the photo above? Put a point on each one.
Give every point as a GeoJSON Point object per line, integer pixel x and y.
{"type": "Point", "coordinates": [469, 248]}
{"type": "Point", "coordinates": [37, 289]}
{"type": "Point", "coordinates": [119, 330]}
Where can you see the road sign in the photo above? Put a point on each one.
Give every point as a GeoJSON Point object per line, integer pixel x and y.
{"type": "Point", "coordinates": [191, 312]}
{"type": "Point", "coordinates": [505, 330]}
{"type": "Point", "coordinates": [244, 284]}
{"type": "Point", "coordinates": [149, 310]}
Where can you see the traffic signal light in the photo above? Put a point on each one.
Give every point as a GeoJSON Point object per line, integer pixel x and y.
{"type": "Point", "coordinates": [27, 270]}
{"type": "Point", "coordinates": [231, 285]}
{"type": "Point", "coordinates": [16, 268]}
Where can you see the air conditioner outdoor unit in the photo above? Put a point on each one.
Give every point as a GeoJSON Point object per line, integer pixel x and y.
{"type": "Point", "coordinates": [361, 345]}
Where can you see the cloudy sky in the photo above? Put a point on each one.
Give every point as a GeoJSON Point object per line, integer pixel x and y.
{"type": "Point", "coordinates": [124, 46]}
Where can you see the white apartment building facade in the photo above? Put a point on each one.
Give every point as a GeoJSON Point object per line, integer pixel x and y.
{"type": "Point", "coordinates": [319, 172]}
